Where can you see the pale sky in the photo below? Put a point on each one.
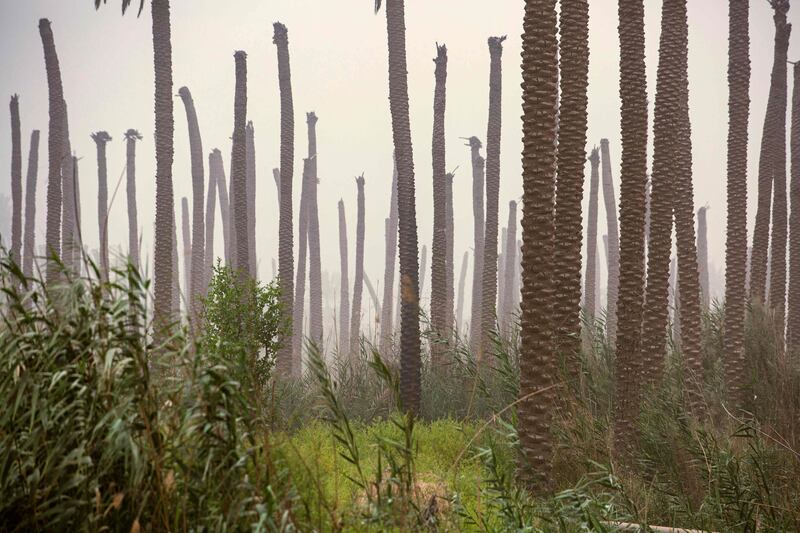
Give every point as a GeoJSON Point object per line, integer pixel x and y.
{"type": "Point", "coordinates": [339, 70]}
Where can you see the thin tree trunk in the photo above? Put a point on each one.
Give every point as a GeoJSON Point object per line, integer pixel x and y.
{"type": "Point", "coordinates": [612, 287]}
{"type": "Point", "coordinates": [590, 283]}
{"type": "Point", "coordinates": [390, 226]}
{"type": "Point", "coordinates": [372, 294]}
{"type": "Point", "coordinates": [225, 209]}
{"type": "Point", "coordinates": [131, 136]}
{"type": "Point", "coordinates": [30, 205]}
{"type": "Point", "coordinates": [251, 199]}
{"type": "Point", "coordinates": [423, 264]}
{"type": "Point", "coordinates": [241, 256]}
{"type": "Point", "coordinates": [501, 268]}
{"type": "Point", "coordinates": [449, 266]}
{"type": "Point", "coordinates": [702, 256]}
{"type": "Point", "coordinates": [477, 267]}
{"type": "Point", "coordinates": [214, 171]}
{"type": "Point", "coordinates": [176, 285]}
{"type": "Point", "coordinates": [300, 283]}
{"type": "Point", "coordinates": [285, 252]}
{"type": "Point", "coordinates": [461, 280]}
{"type": "Point", "coordinates": [187, 243]}
{"type": "Point", "coordinates": [276, 174]}
{"type": "Point", "coordinates": [68, 212]}
{"type": "Point", "coordinates": [101, 138]}
{"type": "Point", "coordinates": [344, 286]}
{"type": "Point", "coordinates": [355, 320]}
{"type": "Point", "coordinates": [314, 260]}
{"type": "Point", "coordinates": [16, 182]}
{"type": "Point", "coordinates": [439, 240]}
{"type": "Point", "coordinates": [77, 248]}
{"type": "Point", "coordinates": [510, 268]}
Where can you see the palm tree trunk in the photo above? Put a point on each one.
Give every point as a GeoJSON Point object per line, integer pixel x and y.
{"type": "Point", "coordinates": [68, 213]}
{"type": "Point", "coordinates": [537, 348]}
{"type": "Point", "coordinates": [590, 283]}
{"type": "Point", "coordinates": [702, 256]}
{"type": "Point", "coordinates": [77, 250]}
{"type": "Point", "coordinates": [372, 294]}
{"type": "Point", "coordinates": [344, 286]}
{"type": "Point", "coordinates": [633, 180]}
{"type": "Point", "coordinates": [285, 252]}
{"type": "Point", "coordinates": [56, 148]}
{"type": "Point", "coordinates": [300, 284]}
{"type": "Point", "coordinates": [214, 170]}
{"type": "Point", "coordinates": [164, 130]}
{"type": "Point", "coordinates": [241, 255]}
{"type": "Point", "coordinates": [571, 158]}
{"type": "Point", "coordinates": [276, 174]}
{"type": "Point", "coordinates": [176, 285]}
{"type": "Point", "coordinates": [612, 287]}
{"type": "Point", "coordinates": [29, 239]}
{"type": "Point", "coordinates": [188, 275]}
{"type": "Point", "coordinates": [197, 266]}
{"type": "Point", "coordinates": [793, 312]}
{"type": "Point", "coordinates": [388, 273]}
{"type": "Point", "coordinates": [501, 268]}
{"type": "Point", "coordinates": [510, 268]}
{"type": "Point", "coordinates": [461, 280]}
{"type": "Point", "coordinates": [736, 253]}
{"type": "Point", "coordinates": [314, 260]}
{"type": "Point", "coordinates": [251, 199]}
{"type": "Point", "coordinates": [131, 136]}
{"type": "Point", "coordinates": [439, 241]}
{"type": "Point", "coordinates": [423, 264]}
{"type": "Point", "coordinates": [489, 279]}
{"type": "Point", "coordinates": [225, 209]}
{"type": "Point", "coordinates": [101, 138]}
{"type": "Point", "coordinates": [16, 182]}
{"type": "Point", "coordinates": [449, 266]}
{"type": "Point", "coordinates": [477, 267]}
{"type": "Point", "coordinates": [355, 320]}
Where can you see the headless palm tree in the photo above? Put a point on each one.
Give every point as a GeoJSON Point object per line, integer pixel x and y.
{"type": "Point", "coordinates": [461, 280]}
{"type": "Point", "coordinates": [449, 274]}
{"type": "Point", "coordinates": [389, 268]}
{"type": "Point", "coordinates": [214, 169]}
{"type": "Point", "coordinates": [251, 199]}
{"type": "Point", "coordinates": [285, 252]}
{"type": "Point", "coordinates": [355, 321]}
{"type": "Point", "coordinates": [423, 263]}
{"type": "Point", "coordinates": [101, 138]}
{"type": "Point", "coordinates": [510, 256]}
{"type": "Point", "coordinates": [241, 256]}
{"type": "Point", "coordinates": [16, 182]}
{"type": "Point", "coordinates": [77, 250]}
{"type": "Point", "coordinates": [609, 198]}
{"type": "Point", "coordinates": [793, 314]}
{"type": "Point", "coordinates": [175, 300]}
{"type": "Point", "coordinates": [314, 260]}
{"type": "Point", "coordinates": [68, 213]}
{"type": "Point", "coordinates": [344, 286]}
{"type": "Point", "coordinates": [300, 285]}
{"type": "Point", "coordinates": [537, 348]}
{"type": "Point", "coordinates": [187, 242]}
{"type": "Point", "coordinates": [131, 136]}
{"type": "Point", "coordinates": [29, 239]}
{"type": "Point", "coordinates": [477, 267]}
{"type": "Point", "coordinates": [590, 283]}
{"type": "Point", "coordinates": [702, 256]}
{"type": "Point", "coordinates": [225, 209]}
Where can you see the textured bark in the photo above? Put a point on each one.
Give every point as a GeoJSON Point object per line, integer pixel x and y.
{"type": "Point", "coordinates": [285, 246]}
{"type": "Point", "coordinates": [793, 311]}
{"type": "Point", "coordinates": [16, 182]}
{"type": "Point", "coordinates": [77, 248]}
{"type": "Point", "coordinates": [214, 170]}
{"type": "Point", "coordinates": [633, 93]}
{"type": "Point", "coordinates": [131, 136]}
{"type": "Point", "coordinates": [510, 268]}
{"type": "Point", "coordinates": [761, 244]}
{"type": "Point", "coordinates": [501, 268]}
{"type": "Point", "coordinates": [225, 208]}
{"type": "Point", "coordinates": [164, 130]}
{"type": "Point", "coordinates": [612, 262]}
{"type": "Point", "coordinates": [344, 286]}
{"type": "Point", "coordinates": [479, 223]}
{"type": "Point", "coordinates": [241, 256]}
{"type": "Point", "coordinates": [175, 300]}
{"type": "Point", "coordinates": [68, 212]}
{"type": "Point", "coordinates": [736, 249]}
{"type": "Point", "coordinates": [355, 320]}
{"type": "Point", "coordinates": [314, 260]}
{"type": "Point", "coordinates": [571, 158]}
{"type": "Point", "coordinates": [29, 239]}
{"type": "Point", "coordinates": [489, 274]}
{"type": "Point", "coordinates": [251, 199]}
{"type": "Point", "coordinates": [462, 277]}
{"type": "Point", "coordinates": [389, 268]}
{"type": "Point", "coordinates": [590, 283]}
{"type": "Point", "coordinates": [101, 138]}
{"type": "Point", "coordinates": [449, 266]}
{"type": "Point", "coordinates": [186, 223]}
{"type": "Point", "coordinates": [537, 347]}
{"type": "Point", "coordinates": [702, 256]}
{"type": "Point", "coordinates": [439, 239]}
{"type": "Point", "coordinates": [300, 283]}
{"type": "Point", "coordinates": [195, 289]}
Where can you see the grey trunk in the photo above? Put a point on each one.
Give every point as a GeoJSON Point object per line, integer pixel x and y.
{"type": "Point", "coordinates": [314, 260]}
{"type": "Point", "coordinates": [344, 285]}
{"type": "Point", "coordinates": [613, 243]}
{"type": "Point", "coordinates": [101, 138]}
{"type": "Point", "coordinates": [355, 320]}
{"type": "Point", "coordinates": [30, 205]}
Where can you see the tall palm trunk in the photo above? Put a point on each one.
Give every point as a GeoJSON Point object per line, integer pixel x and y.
{"type": "Point", "coordinates": [300, 284]}
{"type": "Point", "coordinates": [276, 175]}
{"type": "Point", "coordinates": [571, 158]}
{"type": "Point", "coordinates": [501, 268]}
{"type": "Point", "coordinates": [186, 223]}
{"type": "Point", "coordinates": [612, 286]}
{"type": "Point", "coordinates": [241, 255]}
{"type": "Point", "coordinates": [214, 170]}
{"type": "Point", "coordinates": [29, 239]}
{"type": "Point", "coordinates": [510, 267]}
{"type": "Point", "coordinates": [68, 213]}
{"type": "Point", "coordinates": [101, 138]}
{"type": "Point", "coordinates": [736, 254]}
{"type": "Point", "coordinates": [769, 139]}
{"type": "Point", "coordinates": [590, 283]}
{"type": "Point", "coordinates": [389, 268]}
{"type": "Point", "coordinates": [376, 304]}
{"type": "Point", "coordinates": [251, 199]}
{"type": "Point", "coordinates": [633, 93]}
{"type": "Point", "coordinates": [175, 297]}
{"type": "Point", "coordinates": [449, 274]}
{"type": "Point", "coordinates": [793, 312]}
{"type": "Point", "coordinates": [479, 228]}
{"type": "Point", "coordinates": [537, 348]}
{"type": "Point", "coordinates": [225, 209]}
{"type": "Point", "coordinates": [439, 240]}
{"type": "Point", "coordinates": [16, 181]}
{"type": "Point", "coordinates": [489, 279]}
{"type": "Point", "coordinates": [131, 136]}
{"type": "Point", "coordinates": [423, 264]}
{"type": "Point", "coordinates": [195, 289]}
{"type": "Point", "coordinates": [57, 149]}
{"type": "Point", "coordinates": [314, 260]}
{"type": "Point", "coordinates": [702, 256]}
{"type": "Point", "coordinates": [462, 277]}
{"type": "Point", "coordinates": [355, 321]}
{"type": "Point", "coordinates": [165, 127]}
{"type": "Point", "coordinates": [285, 252]}
{"type": "Point", "coordinates": [344, 286]}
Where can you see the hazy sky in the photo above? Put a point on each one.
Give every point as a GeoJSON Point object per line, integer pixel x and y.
{"type": "Point", "coordinates": [339, 70]}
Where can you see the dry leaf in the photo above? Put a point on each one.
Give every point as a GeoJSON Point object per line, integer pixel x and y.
{"type": "Point", "coordinates": [117, 502]}
{"type": "Point", "coordinates": [135, 527]}
{"type": "Point", "coordinates": [169, 481]}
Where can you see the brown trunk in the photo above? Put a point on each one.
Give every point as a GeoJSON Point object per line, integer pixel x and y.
{"type": "Point", "coordinates": [241, 255]}
{"type": "Point", "coordinates": [355, 321]}
{"type": "Point", "coordinates": [16, 182]}
{"type": "Point", "coordinates": [251, 199]}
{"type": "Point", "coordinates": [29, 239]}
{"type": "Point", "coordinates": [449, 266]}
{"type": "Point", "coordinates": [612, 263]}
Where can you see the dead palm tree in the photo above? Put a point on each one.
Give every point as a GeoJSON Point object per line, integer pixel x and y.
{"type": "Point", "coordinates": [251, 198]}
{"type": "Point", "coordinates": [702, 256]}
{"type": "Point", "coordinates": [68, 212]}
{"type": "Point", "coordinates": [175, 296]}
{"type": "Point", "coordinates": [537, 349]}
{"type": "Point", "coordinates": [590, 283]}
{"type": "Point", "coordinates": [29, 239]}
{"type": "Point", "coordinates": [355, 320]}
{"type": "Point", "coordinates": [225, 209]}
{"type": "Point", "coordinates": [214, 170]}
{"type": "Point", "coordinates": [344, 286]}
{"type": "Point", "coordinates": [77, 249]}
{"type": "Point", "coordinates": [439, 240]}
{"type": "Point", "coordinates": [489, 278]}
{"type": "Point", "coordinates": [16, 182]}
{"type": "Point", "coordinates": [300, 284]}
{"type": "Point", "coordinates": [389, 268]}
{"type": "Point", "coordinates": [241, 255]}
{"type": "Point", "coordinates": [423, 264]}
{"type": "Point", "coordinates": [314, 260]}
{"type": "Point", "coordinates": [479, 220]}
{"type": "Point", "coordinates": [510, 257]}
{"type": "Point", "coordinates": [571, 158]}
{"type": "Point", "coordinates": [609, 198]}
{"type": "Point", "coordinates": [793, 314]}
{"type": "Point", "coordinates": [462, 277]}
{"type": "Point", "coordinates": [131, 136]}
{"type": "Point", "coordinates": [101, 138]}
{"type": "Point", "coordinates": [187, 242]}
{"type": "Point", "coordinates": [449, 266]}
{"type": "Point", "coordinates": [285, 252]}
{"type": "Point", "coordinates": [633, 93]}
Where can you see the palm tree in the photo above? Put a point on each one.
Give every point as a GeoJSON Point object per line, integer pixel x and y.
{"type": "Point", "coordinates": [214, 170]}
{"type": "Point", "coordinates": [537, 349]}
{"type": "Point", "coordinates": [410, 361]}
{"type": "Point", "coordinates": [241, 255]}
{"type": "Point", "coordinates": [300, 284]}
{"type": "Point", "coordinates": [571, 157]}
{"type": "Point", "coordinates": [344, 286]}
{"type": "Point", "coordinates": [29, 239]}
{"type": "Point", "coordinates": [101, 138]}
{"type": "Point", "coordinates": [633, 93]}
{"type": "Point", "coordinates": [77, 249]}
{"type": "Point", "coordinates": [355, 320]}
{"type": "Point", "coordinates": [314, 260]}
{"type": "Point", "coordinates": [439, 241]}
{"type": "Point", "coordinates": [479, 220]}
{"type": "Point", "coordinates": [423, 263]}
{"type": "Point", "coordinates": [449, 274]}
{"type": "Point", "coordinates": [224, 208]}
{"type": "Point", "coordinates": [702, 256]}
{"type": "Point", "coordinates": [590, 284]}
{"type": "Point", "coordinates": [609, 198]}
{"type": "Point", "coordinates": [462, 277]}
{"type": "Point", "coordinates": [285, 252]}
{"type": "Point", "coordinates": [276, 175]}
{"type": "Point", "coordinates": [197, 261]}
{"type": "Point", "coordinates": [510, 267]}
{"type": "Point", "coordinates": [389, 268]}
{"type": "Point", "coordinates": [489, 278]}
{"type": "Point", "coordinates": [736, 236]}
{"type": "Point", "coordinates": [188, 275]}
{"type": "Point", "coordinates": [793, 315]}
{"type": "Point", "coordinates": [501, 268]}
{"type": "Point", "coordinates": [175, 296]}
{"type": "Point", "coordinates": [57, 148]}
{"type": "Point", "coordinates": [16, 182]}
{"type": "Point", "coordinates": [68, 212]}
{"type": "Point", "coordinates": [131, 136]}
{"type": "Point", "coordinates": [251, 198]}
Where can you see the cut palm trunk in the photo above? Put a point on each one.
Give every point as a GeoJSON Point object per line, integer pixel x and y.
{"type": "Point", "coordinates": [16, 182]}
{"type": "Point", "coordinates": [590, 283]}
{"type": "Point", "coordinates": [314, 260]}
{"type": "Point", "coordinates": [612, 264]}
{"type": "Point", "coordinates": [387, 311]}
{"type": "Point", "coordinates": [214, 170]}
{"type": "Point", "coordinates": [29, 239]}
{"type": "Point", "coordinates": [187, 242]}
{"type": "Point", "coordinates": [131, 136]}
{"type": "Point", "coordinates": [251, 199]}
{"type": "Point", "coordinates": [479, 223]}
{"type": "Point", "coordinates": [355, 320]}
{"type": "Point", "coordinates": [462, 277]}
{"type": "Point", "coordinates": [344, 286]}
{"type": "Point", "coordinates": [101, 138]}
{"type": "Point", "coordinates": [241, 255]}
